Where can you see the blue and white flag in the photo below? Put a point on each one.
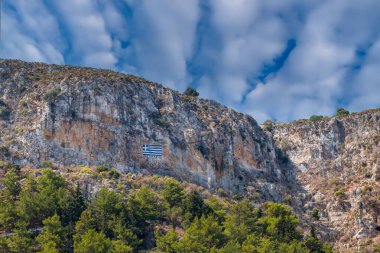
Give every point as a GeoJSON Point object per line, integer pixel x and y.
{"type": "Point", "coordinates": [150, 151]}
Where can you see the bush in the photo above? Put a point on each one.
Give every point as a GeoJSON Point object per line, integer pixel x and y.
{"type": "Point", "coordinates": [23, 103]}
{"type": "Point", "coordinates": [163, 122]}
{"type": "Point", "coordinates": [191, 92]}
{"type": "Point", "coordinates": [51, 95]}
{"type": "Point", "coordinates": [268, 125]}
{"type": "Point", "coordinates": [339, 193]}
{"type": "Point", "coordinates": [281, 156]}
{"type": "Point", "coordinates": [4, 110]}
{"type": "Point", "coordinates": [4, 151]}
{"type": "Point", "coordinates": [102, 168]}
{"type": "Point", "coordinates": [342, 112]}
{"type": "Point", "coordinates": [315, 118]}
{"type": "Point", "coordinates": [47, 164]}
{"type": "Point", "coordinates": [114, 174]}
{"type": "Point", "coordinates": [315, 214]}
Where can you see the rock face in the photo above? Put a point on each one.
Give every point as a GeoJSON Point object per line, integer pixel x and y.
{"type": "Point", "coordinates": [337, 163]}
{"type": "Point", "coordinates": [75, 116]}
{"type": "Point", "coordinates": [84, 116]}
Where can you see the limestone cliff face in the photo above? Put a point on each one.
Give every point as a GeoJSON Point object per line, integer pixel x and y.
{"type": "Point", "coordinates": [84, 116]}
{"type": "Point", "coordinates": [75, 116]}
{"type": "Point", "coordinates": [337, 163]}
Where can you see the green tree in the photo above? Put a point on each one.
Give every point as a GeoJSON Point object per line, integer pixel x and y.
{"type": "Point", "coordinates": [43, 197]}
{"type": "Point", "coordinates": [92, 242]}
{"type": "Point", "coordinates": [126, 235]}
{"type": "Point", "coordinates": [230, 247]}
{"type": "Point", "coordinates": [315, 118]}
{"type": "Point", "coordinates": [105, 206]}
{"type": "Point", "coordinates": [86, 222]}
{"type": "Point", "coordinates": [143, 205]}
{"type": "Point", "coordinates": [218, 208]}
{"type": "Point", "coordinates": [4, 248]}
{"type": "Point", "coordinates": [292, 247]}
{"type": "Point", "coordinates": [203, 235]}
{"type": "Point", "coordinates": [316, 246]}
{"type": "Point", "coordinates": [73, 208]}
{"type": "Point", "coordinates": [52, 237]}
{"type": "Point", "coordinates": [191, 92]}
{"type": "Point", "coordinates": [28, 205]}
{"type": "Point", "coordinates": [342, 112]}
{"type": "Point", "coordinates": [240, 221]}
{"type": "Point", "coordinates": [10, 192]}
{"type": "Point", "coordinates": [12, 187]}
{"type": "Point", "coordinates": [279, 223]}
{"type": "Point", "coordinates": [173, 192]}
{"type": "Point", "coordinates": [21, 241]}
{"type": "Point", "coordinates": [167, 243]}
{"type": "Point", "coordinates": [194, 206]}
{"type": "Point", "coordinates": [250, 244]}
{"type": "Point", "coordinates": [120, 247]}
{"type": "Point", "coordinates": [174, 214]}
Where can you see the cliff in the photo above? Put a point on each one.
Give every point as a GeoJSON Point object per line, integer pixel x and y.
{"type": "Point", "coordinates": [81, 116]}
{"type": "Point", "coordinates": [72, 116]}
{"type": "Point", "coordinates": [337, 164]}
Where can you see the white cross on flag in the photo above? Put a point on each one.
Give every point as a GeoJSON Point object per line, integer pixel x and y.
{"type": "Point", "coordinates": [152, 151]}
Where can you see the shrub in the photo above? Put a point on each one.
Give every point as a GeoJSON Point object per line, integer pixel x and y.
{"type": "Point", "coordinates": [281, 156]}
{"type": "Point", "coordinates": [342, 112]}
{"type": "Point", "coordinates": [4, 151]}
{"type": "Point", "coordinates": [315, 214]}
{"type": "Point", "coordinates": [288, 198]}
{"type": "Point", "coordinates": [339, 192]}
{"type": "Point", "coordinates": [23, 103]}
{"type": "Point", "coordinates": [102, 168]}
{"type": "Point", "coordinates": [191, 92]}
{"type": "Point", "coordinates": [222, 193]}
{"type": "Point", "coordinates": [51, 95]}
{"type": "Point", "coordinates": [114, 174]}
{"type": "Point", "coordinates": [315, 118]}
{"type": "Point", "coordinates": [268, 125]}
{"type": "Point", "coordinates": [47, 164]}
{"type": "Point", "coordinates": [163, 122]}
{"type": "Point", "coordinates": [4, 110]}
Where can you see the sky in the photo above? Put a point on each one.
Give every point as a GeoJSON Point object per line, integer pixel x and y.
{"type": "Point", "coordinates": [273, 59]}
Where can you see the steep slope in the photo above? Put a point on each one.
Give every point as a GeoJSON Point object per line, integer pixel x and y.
{"type": "Point", "coordinates": [81, 116]}
{"type": "Point", "coordinates": [337, 161]}
{"type": "Point", "coordinates": [72, 115]}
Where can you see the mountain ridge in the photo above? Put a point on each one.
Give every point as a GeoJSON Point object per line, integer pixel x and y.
{"type": "Point", "coordinates": [73, 116]}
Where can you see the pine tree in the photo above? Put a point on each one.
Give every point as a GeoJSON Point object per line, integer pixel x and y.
{"type": "Point", "coordinates": [173, 192]}
{"type": "Point", "coordinates": [92, 242]}
{"type": "Point", "coordinates": [52, 236]}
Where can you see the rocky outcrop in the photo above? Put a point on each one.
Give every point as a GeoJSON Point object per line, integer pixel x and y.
{"type": "Point", "coordinates": [337, 163]}
{"type": "Point", "coordinates": [81, 116]}
{"type": "Point", "coordinates": [72, 115]}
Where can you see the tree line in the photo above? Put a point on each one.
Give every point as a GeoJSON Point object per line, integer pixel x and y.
{"type": "Point", "coordinates": [43, 212]}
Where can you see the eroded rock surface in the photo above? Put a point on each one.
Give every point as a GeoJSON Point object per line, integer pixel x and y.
{"type": "Point", "coordinates": [337, 163]}
{"type": "Point", "coordinates": [81, 116]}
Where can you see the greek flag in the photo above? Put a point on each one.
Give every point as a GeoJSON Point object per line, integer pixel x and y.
{"type": "Point", "coordinates": [152, 151]}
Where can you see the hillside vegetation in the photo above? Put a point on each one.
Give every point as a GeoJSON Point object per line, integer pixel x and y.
{"type": "Point", "coordinates": [42, 210]}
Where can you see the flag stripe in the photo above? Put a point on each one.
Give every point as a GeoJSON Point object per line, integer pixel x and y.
{"type": "Point", "coordinates": [152, 150]}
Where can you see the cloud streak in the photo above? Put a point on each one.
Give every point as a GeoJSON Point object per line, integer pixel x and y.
{"type": "Point", "coordinates": [272, 59]}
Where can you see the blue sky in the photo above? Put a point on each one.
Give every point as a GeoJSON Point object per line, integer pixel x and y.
{"type": "Point", "coordinates": [281, 60]}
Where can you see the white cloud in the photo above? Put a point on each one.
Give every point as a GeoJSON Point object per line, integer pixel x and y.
{"type": "Point", "coordinates": [91, 42]}
{"type": "Point", "coordinates": [224, 47]}
{"type": "Point", "coordinates": [163, 39]}
{"type": "Point", "coordinates": [366, 85]}
{"type": "Point", "coordinates": [315, 75]}
{"type": "Point", "coordinates": [28, 36]}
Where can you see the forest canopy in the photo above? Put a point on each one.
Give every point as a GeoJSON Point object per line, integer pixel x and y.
{"type": "Point", "coordinates": [43, 212]}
